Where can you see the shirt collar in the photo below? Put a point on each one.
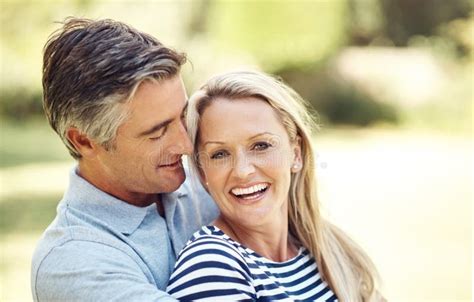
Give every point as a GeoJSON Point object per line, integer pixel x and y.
{"type": "Point", "coordinates": [120, 215]}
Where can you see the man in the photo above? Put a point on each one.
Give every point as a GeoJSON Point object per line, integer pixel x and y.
{"type": "Point", "coordinates": [115, 97]}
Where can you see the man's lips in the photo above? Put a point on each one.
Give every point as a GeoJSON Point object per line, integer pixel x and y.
{"type": "Point", "coordinates": [171, 165]}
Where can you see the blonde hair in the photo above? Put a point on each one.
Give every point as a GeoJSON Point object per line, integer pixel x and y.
{"type": "Point", "coordinates": [341, 262]}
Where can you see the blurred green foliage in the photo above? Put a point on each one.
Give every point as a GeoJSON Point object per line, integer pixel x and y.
{"type": "Point", "coordinates": [339, 102]}
{"type": "Point", "coordinates": [279, 34]}
{"type": "Point", "coordinates": [281, 37]}
{"type": "Point", "coordinates": [300, 41]}
{"type": "Point", "coordinates": [17, 104]}
{"type": "Point", "coordinates": [398, 22]}
{"type": "Point", "coordinates": [407, 18]}
{"type": "Point", "coordinates": [345, 104]}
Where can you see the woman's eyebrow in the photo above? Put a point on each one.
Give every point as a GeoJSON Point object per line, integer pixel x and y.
{"type": "Point", "coordinates": [213, 142]}
{"type": "Point", "coordinates": [250, 138]}
{"type": "Point", "coordinates": [261, 134]}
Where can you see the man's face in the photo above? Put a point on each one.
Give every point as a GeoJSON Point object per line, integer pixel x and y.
{"type": "Point", "coordinates": [149, 144]}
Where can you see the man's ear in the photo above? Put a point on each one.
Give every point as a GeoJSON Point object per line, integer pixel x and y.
{"type": "Point", "coordinates": [297, 164]}
{"type": "Point", "coordinates": [83, 144]}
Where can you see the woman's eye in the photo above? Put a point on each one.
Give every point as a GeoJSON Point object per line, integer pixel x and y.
{"type": "Point", "coordinates": [261, 146]}
{"type": "Point", "coordinates": [218, 155]}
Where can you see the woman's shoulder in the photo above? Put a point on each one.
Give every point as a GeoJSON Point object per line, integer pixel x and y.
{"type": "Point", "coordinates": [209, 232]}
{"type": "Point", "coordinates": [209, 257]}
{"type": "Point", "coordinates": [211, 250]}
{"type": "Point", "coordinates": [210, 240]}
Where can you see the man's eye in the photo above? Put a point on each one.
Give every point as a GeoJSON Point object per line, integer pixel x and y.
{"type": "Point", "coordinates": [158, 135]}
{"type": "Point", "coordinates": [219, 155]}
{"type": "Point", "coordinates": [260, 146]}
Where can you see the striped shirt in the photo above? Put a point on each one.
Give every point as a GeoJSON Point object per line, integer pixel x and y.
{"type": "Point", "coordinates": [213, 267]}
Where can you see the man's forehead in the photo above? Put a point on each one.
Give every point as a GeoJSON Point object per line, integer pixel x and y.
{"type": "Point", "coordinates": [155, 102]}
{"type": "Point", "coordinates": [165, 96]}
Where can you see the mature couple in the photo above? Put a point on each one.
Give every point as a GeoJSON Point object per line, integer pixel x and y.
{"type": "Point", "coordinates": [132, 227]}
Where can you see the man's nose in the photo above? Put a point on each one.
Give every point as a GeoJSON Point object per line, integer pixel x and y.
{"type": "Point", "coordinates": [183, 142]}
{"type": "Point", "coordinates": [243, 166]}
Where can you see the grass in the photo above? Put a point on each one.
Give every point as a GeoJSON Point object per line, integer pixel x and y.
{"type": "Point", "coordinates": [23, 219]}
{"type": "Point", "coordinates": [29, 142]}
{"type": "Point", "coordinates": [16, 251]}
{"type": "Point", "coordinates": [33, 173]}
{"type": "Point", "coordinates": [27, 214]}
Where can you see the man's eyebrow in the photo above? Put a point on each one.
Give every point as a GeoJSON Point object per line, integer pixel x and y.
{"type": "Point", "coordinates": [155, 128]}
{"type": "Point", "coordinates": [162, 124]}
{"type": "Point", "coordinates": [250, 138]}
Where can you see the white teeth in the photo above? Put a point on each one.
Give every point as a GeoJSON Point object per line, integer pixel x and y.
{"type": "Point", "coordinates": [249, 190]}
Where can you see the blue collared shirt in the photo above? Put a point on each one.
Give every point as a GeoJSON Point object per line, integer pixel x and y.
{"type": "Point", "coordinates": [100, 248]}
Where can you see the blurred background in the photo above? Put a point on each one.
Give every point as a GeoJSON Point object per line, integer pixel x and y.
{"type": "Point", "coordinates": [390, 82]}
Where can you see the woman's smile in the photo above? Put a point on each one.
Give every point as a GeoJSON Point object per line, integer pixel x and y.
{"type": "Point", "coordinates": [250, 193]}
{"type": "Point", "coordinates": [246, 161]}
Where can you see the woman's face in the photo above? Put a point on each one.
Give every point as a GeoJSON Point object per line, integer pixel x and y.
{"type": "Point", "coordinates": [247, 160]}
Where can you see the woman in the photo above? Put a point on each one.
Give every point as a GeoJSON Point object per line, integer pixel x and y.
{"type": "Point", "coordinates": [253, 153]}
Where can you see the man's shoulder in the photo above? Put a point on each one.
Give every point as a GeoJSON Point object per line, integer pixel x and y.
{"type": "Point", "coordinates": [80, 263]}
{"type": "Point", "coordinates": [192, 188]}
{"type": "Point", "coordinates": [195, 202]}
{"type": "Point", "coordinates": [71, 229]}
{"type": "Point", "coordinates": [70, 245]}
{"type": "Point", "coordinates": [60, 236]}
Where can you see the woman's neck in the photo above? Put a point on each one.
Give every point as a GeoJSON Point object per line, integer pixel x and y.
{"type": "Point", "coordinates": [271, 240]}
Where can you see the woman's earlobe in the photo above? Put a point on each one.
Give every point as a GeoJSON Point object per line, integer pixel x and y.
{"type": "Point", "coordinates": [296, 167]}
{"type": "Point", "coordinates": [203, 179]}
{"type": "Point", "coordinates": [297, 161]}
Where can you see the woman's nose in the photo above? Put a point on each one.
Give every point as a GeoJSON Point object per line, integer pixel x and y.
{"type": "Point", "coordinates": [243, 166]}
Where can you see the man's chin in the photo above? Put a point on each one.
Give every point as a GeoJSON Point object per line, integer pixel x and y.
{"type": "Point", "coordinates": [172, 181]}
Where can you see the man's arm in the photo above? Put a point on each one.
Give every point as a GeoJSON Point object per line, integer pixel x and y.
{"type": "Point", "coordinates": [91, 271]}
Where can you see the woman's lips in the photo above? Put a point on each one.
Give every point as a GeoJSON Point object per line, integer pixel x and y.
{"type": "Point", "coordinates": [251, 198]}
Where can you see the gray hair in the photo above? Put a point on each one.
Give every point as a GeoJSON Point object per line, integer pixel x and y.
{"type": "Point", "coordinates": [92, 68]}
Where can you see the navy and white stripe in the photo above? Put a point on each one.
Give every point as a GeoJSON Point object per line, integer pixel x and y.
{"type": "Point", "coordinates": [213, 267]}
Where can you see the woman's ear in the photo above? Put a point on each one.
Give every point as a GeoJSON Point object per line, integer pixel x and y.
{"type": "Point", "coordinates": [203, 179]}
{"type": "Point", "coordinates": [83, 144]}
{"type": "Point", "coordinates": [201, 174]}
{"type": "Point", "coordinates": [297, 164]}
